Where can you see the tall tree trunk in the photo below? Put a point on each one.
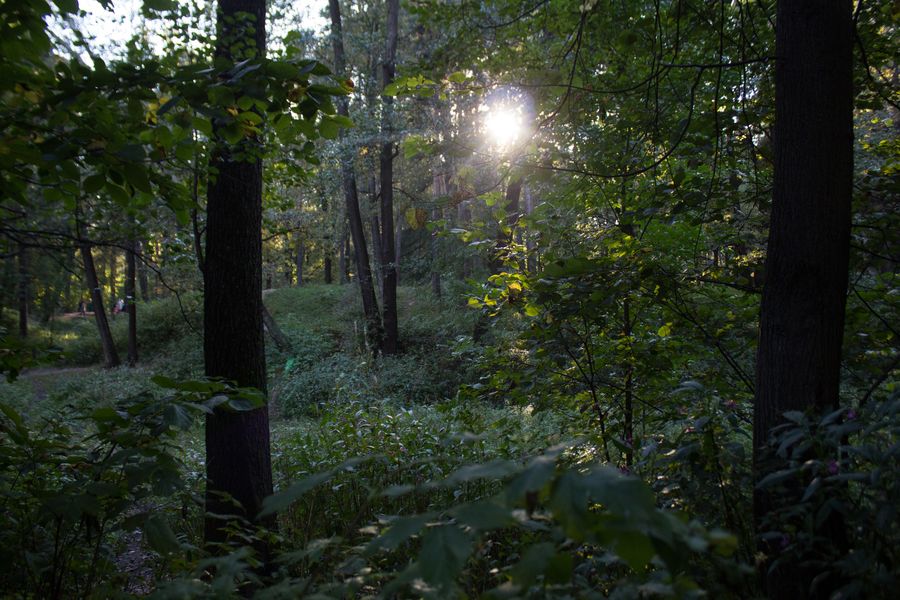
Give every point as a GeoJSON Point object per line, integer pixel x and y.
{"type": "Point", "coordinates": [351, 197]}
{"type": "Point", "coordinates": [238, 459]}
{"type": "Point", "coordinates": [327, 268]}
{"type": "Point", "coordinates": [110, 356]}
{"type": "Point", "coordinates": [628, 419]}
{"type": "Point", "coordinates": [377, 253]}
{"type": "Point", "coordinates": [439, 190]}
{"type": "Point", "coordinates": [130, 301]}
{"type": "Point", "coordinates": [343, 251]}
{"type": "Point", "coordinates": [802, 312]}
{"type": "Point", "coordinates": [24, 280]}
{"type": "Point", "coordinates": [143, 279]}
{"type": "Point", "coordinates": [299, 260]}
{"type": "Point", "coordinates": [388, 256]}
{"type": "Point", "coordinates": [112, 263]}
{"type": "Point", "coordinates": [504, 235]}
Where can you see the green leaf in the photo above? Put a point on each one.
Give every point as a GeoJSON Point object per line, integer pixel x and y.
{"type": "Point", "coordinates": [445, 550]}
{"type": "Point", "coordinates": [483, 515]}
{"type": "Point", "coordinates": [159, 534]}
{"type": "Point", "coordinates": [457, 77]}
{"type": "Point", "coordinates": [136, 175]}
{"type": "Point", "coordinates": [329, 129]}
{"type": "Point", "coordinates": [635, 548]}
{"type": "Point", "coordinates": [400, 530]}
{"type": "Point", "coordinates": [94, 183]}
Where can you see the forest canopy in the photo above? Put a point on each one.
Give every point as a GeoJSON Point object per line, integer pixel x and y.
{"type": "Point", "coordinates": [449, 298]}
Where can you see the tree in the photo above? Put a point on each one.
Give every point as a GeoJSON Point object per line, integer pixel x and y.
{"type": "Point", "coordinates": [388, 249]}
{"type": "Point", "coordinates": [238, 461]}
{"type": "Point", "coordinates": [351, 197]}
{"type": "Point", "coordinates": [802, 314]}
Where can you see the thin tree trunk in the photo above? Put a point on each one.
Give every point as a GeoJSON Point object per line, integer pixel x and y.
{"type": "Point", "coordinates": [282, 342]}
{"type": "Point", "coordinates": [628, 420]}
{"type": "Point", "coordinates": [143, 279]}
{"type": "Point", "coordinates": [24, 280]}
{"type": "Point", "coordinates": [298, 261]}
{"type": "Point", "coordinates": [110, 356]}
{"type": "Point", "coordinates": [342, 258]}
{"type": "Point", "coordinates": [238, 459]}
{"type": "Point", "coordinates": [377, 254]}
{"type": "Point", "coordinates": [112, 263]}
{"type": "Point", "coordinates": [130, 302]}
{"type": "Point", "coordinates": [388, 256]}
{"type": "Point", "coordinates": [438, 185]}
{"type": "Point", "coordinates": [327, 268]}
{"type": "Point", "coordinates": [351, 197]}
{"type": "Point", "coordinates": [803, 303]}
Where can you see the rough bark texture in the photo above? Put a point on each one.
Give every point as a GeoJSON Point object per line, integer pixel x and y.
{"type": "Point", "coordinates": [238, 462]}
{"type": "Point", "coordinates": [110, 356]}
{"type": "Point", "coordinates": [802, 314]}
{"type": "Point", "coordinates": [388, 255]}
{"type": "Point", "coordinates": [130, 302]}
{"type": "Point", "coordinates": [23, 292]}
{"type": "Point", "coordinates": [351, 197]}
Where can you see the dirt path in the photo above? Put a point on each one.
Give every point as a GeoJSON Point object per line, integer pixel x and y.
{"type": "Point", "coordinates": [39, 378]}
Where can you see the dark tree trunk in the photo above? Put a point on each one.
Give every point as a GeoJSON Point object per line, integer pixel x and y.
{"type": "Point", "coordinates": [377, 254]}
{"type": "Point", "coordinates": [388, 256]}
{"type": "Point", "coordinates": [110, 356]}
{"type": "Point", "coordinates": [327, 268]}
{"type": "Point", "coordinates": [802, 313]}
{"type": "Point", "coordinates": [143, 279]}
{"type": "Point", "coordinates": [130, 302]}
{"type": "Point", "coordinates": [23, 293]}
{"type": "Point", "coordinates": [628, 419]}
{"type": "Point", "coordinates": [343, 251]}
{"type": "Point", "coordinates": [351, 196]}
{"type": "Point", "coordinates": [281, 340]}
{"type": "Point", "coordinates": [504, 234]}
{"type": "Point", "coordinates": [298, 261]}
{"type": "Point", "coordinates": [238, 460]}
{"type": "Point", "coordinates": [112, 263]}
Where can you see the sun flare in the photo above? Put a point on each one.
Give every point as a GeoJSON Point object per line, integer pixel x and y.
{"type": "Point", "coordinates": [503, 125]}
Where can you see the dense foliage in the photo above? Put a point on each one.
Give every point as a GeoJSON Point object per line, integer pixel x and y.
{"type": "Point", "coordinates": [580, 206]}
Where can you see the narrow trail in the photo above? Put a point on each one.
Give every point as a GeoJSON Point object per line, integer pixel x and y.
{"type": "Point", "coordinates": [40, 378]}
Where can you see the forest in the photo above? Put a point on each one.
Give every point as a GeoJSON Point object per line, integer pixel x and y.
{"type": "Point", "coordinates": [449, 299]}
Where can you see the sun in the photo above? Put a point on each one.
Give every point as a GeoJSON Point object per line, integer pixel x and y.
{"type": "Point", "coordinates": [503, 125]}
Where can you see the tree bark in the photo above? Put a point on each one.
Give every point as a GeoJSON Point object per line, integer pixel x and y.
{"type": "Point", "coordinates": [111, 262]}
{"type": "Point", "coordinates": [298, 261]}
{"type": "Point", "coordinates": [388, 255]}
{"type": "Point", "coordinates": [282, 342]}
{"type": "Point", "coordinates": [438, 185]}
{"type": "Point", "coordinates": [143, 279]}
{"type": "Point", "coordinates": [351, 197]}
{"type": "Point", "coordinates": [23, 292]}
{"type": "Point", "coordinates": [110, 356]}
{"type": "Point", "coordinates": [130, 302]}
{"type": "Point", "coordinates": [342, 258]}
{"type": "Point", "coordinates": [327, 268]}
{"type": "Point", "coordinates": [802, 312]}
{"type": "Point", "coordinates": [238, 460]}
{"type": "Point", "coordinates": [377, 254]}
{"type": "Point", "coordinates": [628, 418]}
